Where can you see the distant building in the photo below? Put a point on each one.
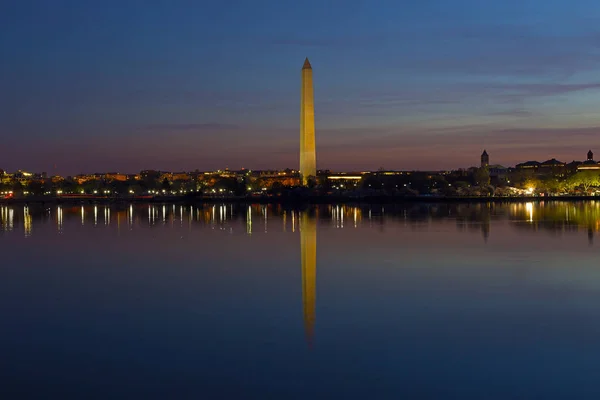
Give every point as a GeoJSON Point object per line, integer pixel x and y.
{"type": "Point", "coordinates": [345, 181]}
{"type": "Point", "coordinates": [272, 173]}
{"type": "Point", "coordinates": [166, 175]}
{"type": "Point", "coordinates": [553, 163]}
{"type": "Point", "coordinates": [485, 159]}
{"type": "Point", "coordinates": [115, 176]}
{"type": "Point", "coordinates": [589, 164]}
{"type": "Point", "coordinates": [7, 177]}
{"type": "Point", "coordinates": [497, 171]}
{"type": "Point", "coordinates": [573, 166]}
{"type": "Point", "coordinates": [82, 178]}
{"type": "Point", "coordinates": [552, 167]}
{"type": "Point", "coordinates": [528, 165]}
{"type": "Point", "coordinates": [181, 176]}
{"type": "Point", "coordinates": [149, 174]}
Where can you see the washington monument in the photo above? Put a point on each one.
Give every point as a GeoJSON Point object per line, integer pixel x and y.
{"type": "Point", "coordinates": [308, 158]}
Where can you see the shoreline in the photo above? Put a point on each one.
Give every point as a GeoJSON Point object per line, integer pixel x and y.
{"type": "Point", "coordinates": [293, 200]}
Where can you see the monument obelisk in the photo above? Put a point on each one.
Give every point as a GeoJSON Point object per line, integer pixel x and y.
{"type": "Point", "coordinates": [308, 158]}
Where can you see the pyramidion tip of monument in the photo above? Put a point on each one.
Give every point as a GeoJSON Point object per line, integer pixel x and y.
{"type": "Point", "coordinates": [306, 64]}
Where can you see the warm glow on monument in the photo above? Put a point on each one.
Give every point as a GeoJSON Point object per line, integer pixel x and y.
{"type": "Point", "coordinates": [308, 162]}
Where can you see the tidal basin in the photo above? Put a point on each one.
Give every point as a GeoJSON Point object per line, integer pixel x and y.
{"type": "Point", "coordinates": [229, 301]}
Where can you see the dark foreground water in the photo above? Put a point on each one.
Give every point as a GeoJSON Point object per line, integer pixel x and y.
{"type": "Point", "coordinates": [424, 301]}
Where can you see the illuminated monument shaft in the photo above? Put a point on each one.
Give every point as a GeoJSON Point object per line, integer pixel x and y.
{"type": "Point", "coordinates": [308, 158]}
{"type": "Point", "coordinates": [308, 249]}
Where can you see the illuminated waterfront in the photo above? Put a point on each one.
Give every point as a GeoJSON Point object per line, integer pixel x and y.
{"type": "Point", "coordinates": [425, 300]}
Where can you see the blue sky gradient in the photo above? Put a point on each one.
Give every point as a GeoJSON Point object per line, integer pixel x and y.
{"type": "Point", "coordinates": [179, 85]}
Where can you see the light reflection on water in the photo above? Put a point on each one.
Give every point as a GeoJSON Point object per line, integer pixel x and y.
{"type": "Point", "coordinates": [418, 300]}
{"type": "Point", "coordinates": [553, 216]}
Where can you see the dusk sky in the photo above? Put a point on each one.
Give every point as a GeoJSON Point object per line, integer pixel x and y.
{"type": "Point", "coordinates": [182, 85]}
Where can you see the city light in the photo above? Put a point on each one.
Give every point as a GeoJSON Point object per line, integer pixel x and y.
{"type": "Point", "coordinates": [549, 178]}
{"type": "Point", "coordinates": [529, 208]}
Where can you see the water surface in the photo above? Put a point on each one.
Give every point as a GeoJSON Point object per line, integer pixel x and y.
{"type": "Point", "coordinates": [416, 301]}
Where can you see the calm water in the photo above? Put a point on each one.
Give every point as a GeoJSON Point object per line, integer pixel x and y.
{"type": "Point", "coordinates": [421, 301]}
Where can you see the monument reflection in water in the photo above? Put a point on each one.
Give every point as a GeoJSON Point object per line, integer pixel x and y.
{"type": "Point", "coordinates": [308, 256]}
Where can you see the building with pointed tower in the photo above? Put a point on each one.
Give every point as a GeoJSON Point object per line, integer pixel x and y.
{"type": "Point", "coordinates": [590, 163]}
{"type": "Point", "coordinates": [496, 171]}
{"type": "Point", "coordinates": [485, 159]}
{"type": "Point", "coordinates": [308, 158]}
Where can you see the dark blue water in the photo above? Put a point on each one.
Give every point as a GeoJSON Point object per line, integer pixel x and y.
{"type": "Point", "coordinates": [417, 301]}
